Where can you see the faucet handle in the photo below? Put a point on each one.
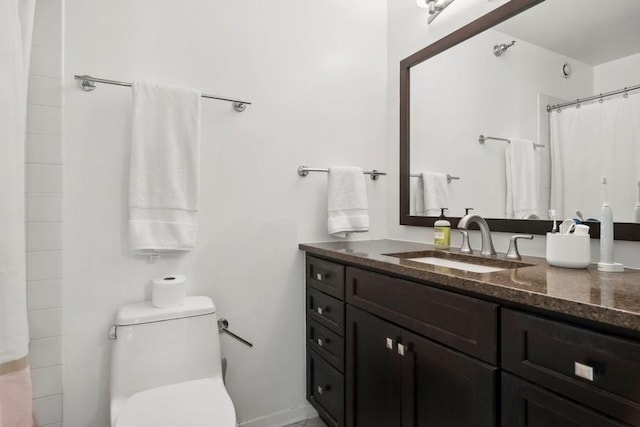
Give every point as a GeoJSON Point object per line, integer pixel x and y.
{"type": "Point", "coordinates": [465, 248]}
{"type": "Point", "coordinates": [513, 253]}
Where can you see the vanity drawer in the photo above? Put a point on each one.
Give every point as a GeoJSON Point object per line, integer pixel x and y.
{"type": "Point", "coordinates": [326, 310]}
{"type": "Point", "coordinates": [527, 405]}
{"type": "Point", "coordinates": [598, 370]}
{"type": "Point", "coordinates": [466, 324]}
{"type": "Point", "coordinates": [325, 389]}
{"type": "Point", "coordinates": [326, 276]}
{"type": "Point", "coordinates": [326, 343]}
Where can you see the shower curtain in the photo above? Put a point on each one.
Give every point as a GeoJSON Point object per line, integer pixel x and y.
{"type": "Point", "coordinates": [16, 24]}
{"type": "Point", "coordinates": [595, 140]}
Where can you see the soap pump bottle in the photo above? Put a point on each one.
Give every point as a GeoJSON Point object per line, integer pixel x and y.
{"type": "Point", "coordinates": [442, 231]}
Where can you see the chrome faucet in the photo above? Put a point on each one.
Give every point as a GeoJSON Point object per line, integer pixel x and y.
{"type": "Point", "coordinates": [487, 243]}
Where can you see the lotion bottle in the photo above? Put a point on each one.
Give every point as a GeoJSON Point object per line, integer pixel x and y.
{"type": "Point", "coordinates": [442, 232]}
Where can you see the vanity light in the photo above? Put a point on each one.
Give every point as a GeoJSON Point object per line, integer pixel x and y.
{"type": "Point", "coordinates": [434, 7]}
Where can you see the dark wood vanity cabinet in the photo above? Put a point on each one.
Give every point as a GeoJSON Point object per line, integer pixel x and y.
{"type": "Point", "coordinates": [397, 378]}
{"type": "Point", "coordinates": [384, 352]}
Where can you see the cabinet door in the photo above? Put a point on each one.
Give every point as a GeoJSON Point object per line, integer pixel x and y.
{"type": "Point", "coordinates": [373, 375]}
{"type": "Point", "coordinates": [527, 405]}
{"type": "Point", "coordinates": [443, 387]}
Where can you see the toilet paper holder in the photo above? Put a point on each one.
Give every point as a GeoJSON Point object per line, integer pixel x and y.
{"type": "Point", "coordinates": [223, 327]}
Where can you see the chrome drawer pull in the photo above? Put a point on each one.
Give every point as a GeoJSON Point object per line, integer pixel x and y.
{"type": "Point", "coordinates": [389, 343]}
{"type": "Point", "coordinates": [583, 371]}
{"type": "Point", "coordinates": [320, 343]}
{"type": "Point", "coordinates": [321, 390]}
{"type": "Point", "coordinates": [319, 276]}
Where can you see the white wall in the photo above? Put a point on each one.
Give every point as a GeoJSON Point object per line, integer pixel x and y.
{"type": "Point", "coordinates": [617, 74]}
{"type": "Point", "coordinates": [407, 33]}
{"type": "Point", "coordinates": [44, 212]}
{"type": "Point", "coordinates": [315, 71]}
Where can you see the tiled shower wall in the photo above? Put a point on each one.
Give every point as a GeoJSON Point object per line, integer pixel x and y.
{"type": "Point", "coordinates": [44, 211]}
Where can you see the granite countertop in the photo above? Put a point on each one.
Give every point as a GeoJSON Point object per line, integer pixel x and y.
{"type": "Point", "coordinates": [608, 298]}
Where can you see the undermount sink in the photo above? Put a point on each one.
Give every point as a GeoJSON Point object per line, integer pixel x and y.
{"type": "Point", "coordinates": [458, 261]}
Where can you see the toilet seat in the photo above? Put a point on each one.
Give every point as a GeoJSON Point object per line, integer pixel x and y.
{"type": "Point", "coordinates": [195, 403]}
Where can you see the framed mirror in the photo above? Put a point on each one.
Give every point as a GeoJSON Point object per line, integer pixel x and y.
{"type": "Point", "coordinates": [555, 76]}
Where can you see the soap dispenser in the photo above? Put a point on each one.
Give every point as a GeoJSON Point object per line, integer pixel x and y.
{"type": "Point", "coordinates": [442, 231]}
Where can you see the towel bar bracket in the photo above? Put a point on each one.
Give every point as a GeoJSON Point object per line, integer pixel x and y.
{"type": "Point", "coordinates": [87, 85]}
{"type": "Point", "coordinates": [239, 106]}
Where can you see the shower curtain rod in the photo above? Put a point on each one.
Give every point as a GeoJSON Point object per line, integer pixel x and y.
{"type": "Point", "coordinates": [578, 101]}
{"type": "Point", "coordinates": [88, 84]}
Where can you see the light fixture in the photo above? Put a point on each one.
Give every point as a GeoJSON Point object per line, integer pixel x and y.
{"type": "Point", "coordinates": [499, 49]}
{"type": "Point", "coordinates": [434, 7]}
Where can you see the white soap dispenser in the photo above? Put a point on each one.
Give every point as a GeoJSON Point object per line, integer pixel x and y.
{"type": "Point", "coordinates": [606, 235]}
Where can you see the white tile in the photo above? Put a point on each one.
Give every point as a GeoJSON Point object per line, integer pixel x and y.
{"type": "Point", "coordinates": [45, 91]}
{"type": "Point", "coordinates": [44, 294]}
{"type": "Point", "coordinates": [46, 381]}
{"type": "Point", "coordinates": [44, 149]}
{"type": "Point", "coordinates": [44, 265]}
{"type": "Point", "coordinates": [44, 236]}
{"type": "Point", "coordinates": [49, 9]}
{"type": "Point", "coordinates": [44, 207]}
{"type": "Point", "coordinates": [46, 62]}
{"type": "Point", "coordinates": [47, 33]}
{"type": "Point", "coordinates": [48, 410]}
{"type": "Point", "coordinates": [44, 178]}
{"type": "Point", "coordinates": [45, 352]}
{"type": "Point", "coordinates": [45, 323]}
{"type": "Point", "coordinates": [42, 119]}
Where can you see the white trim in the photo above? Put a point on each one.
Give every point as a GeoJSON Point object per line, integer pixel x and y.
{"type": "Point", "coordinates": [283, 418]}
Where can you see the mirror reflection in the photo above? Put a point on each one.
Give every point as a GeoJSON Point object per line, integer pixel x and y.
{"type": "Point", "coordinates": [478, 112]}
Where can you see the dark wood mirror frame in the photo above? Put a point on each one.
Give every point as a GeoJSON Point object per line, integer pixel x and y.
{"type": "Point", "coordinates": [622, 231]}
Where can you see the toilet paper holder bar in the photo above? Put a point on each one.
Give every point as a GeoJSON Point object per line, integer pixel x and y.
{"type": "Point", "coordinates": [223, 327]}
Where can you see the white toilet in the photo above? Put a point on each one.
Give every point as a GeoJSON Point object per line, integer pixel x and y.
{"type": "Point", "coordinates": [166, 369]}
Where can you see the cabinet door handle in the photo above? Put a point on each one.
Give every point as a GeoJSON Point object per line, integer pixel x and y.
{"type": "Point", "coordinates": [583, 371]}
{"type": "Point", "coordinates": [321, 310]}
{"type": "Point", "coordinates": [319, 276]}
{"type": "Point", "coordinates": [390, 343]}
{"type": "Point", "coordinates": [402, 349]}
{"type": "Point", "coordinates": [321, 389]}
{"type": "Point", "coordinates": [320, 343]}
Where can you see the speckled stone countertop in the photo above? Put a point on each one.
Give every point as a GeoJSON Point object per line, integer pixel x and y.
{"type": "Point", "coordinates": [608, 298]}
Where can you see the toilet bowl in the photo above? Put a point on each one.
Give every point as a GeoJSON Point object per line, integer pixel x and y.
{"type": "Point", "coordinates": [166, 368]}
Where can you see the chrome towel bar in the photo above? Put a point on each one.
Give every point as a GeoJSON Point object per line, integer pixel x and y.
{"type": "Point", "coordinates": [482, 139]}
{"type": "Point", "coordinates": [304, 171]}
{"type": "Point", "coordinates": [88, 84]}
{"type": "Point", "coordinates": [449, 177]}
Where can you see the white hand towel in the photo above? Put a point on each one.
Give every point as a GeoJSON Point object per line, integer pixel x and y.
{"type": "Point", "coordinates": [164, 181]}
{"type": "Point", "coordinates": [347, 201]}
{"type": "Point", "coordinates": [522, 179]}
{"type": "Point", "coordinates": [435, 194]}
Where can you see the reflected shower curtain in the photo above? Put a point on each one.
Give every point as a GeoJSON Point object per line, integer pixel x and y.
{"type": "Point", "coordinates": [595, 140]}
{"type": "Point", "coordinates": [16, 23]}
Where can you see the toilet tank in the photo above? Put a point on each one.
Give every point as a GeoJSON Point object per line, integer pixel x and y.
{"type": "Point", "coordinates": [162, 346]}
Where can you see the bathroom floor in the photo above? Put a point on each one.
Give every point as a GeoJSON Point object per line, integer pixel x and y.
{"type": "Point", "coordinates": [311, 422]}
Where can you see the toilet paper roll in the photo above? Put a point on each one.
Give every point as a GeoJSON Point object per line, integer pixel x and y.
{"type": "Point", "coordinates": [168, 291]}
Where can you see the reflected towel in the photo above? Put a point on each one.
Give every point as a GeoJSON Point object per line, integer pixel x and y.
{"type": "Point", "coordinates": [16, 404]}
{"type": "Point", "coordinates": [165, 168]}
{"type": "Point", "coordinates": [522, 179]}
{"type": "Point", "coordinates": [347, 206]}
{"type": "Point", "coordinates": [432, 193]}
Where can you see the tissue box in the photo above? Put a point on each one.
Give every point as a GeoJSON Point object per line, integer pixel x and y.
{"type": "Point", "coordinates": [568, 250]}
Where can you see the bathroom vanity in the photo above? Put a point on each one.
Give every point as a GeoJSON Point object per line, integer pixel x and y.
{"type": "Point", "coordinates": [394, 342]}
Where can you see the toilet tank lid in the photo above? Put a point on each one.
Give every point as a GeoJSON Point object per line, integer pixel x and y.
{"type": "Point", "coordinates": [144, 312]}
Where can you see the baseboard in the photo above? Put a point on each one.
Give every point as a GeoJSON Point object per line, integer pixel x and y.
{"type": "Point", "coordinates": [283, 418]}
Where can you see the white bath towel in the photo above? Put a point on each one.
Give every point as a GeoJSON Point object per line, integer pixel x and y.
{"type": "Point", "coordinates": [348, 210]}
{"type": "Point", "coordinates": [522, 179]}
{"type": "Point", "coordinates": [434, 191]}
{"type": "Point", "coordinates": [165, 168]}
